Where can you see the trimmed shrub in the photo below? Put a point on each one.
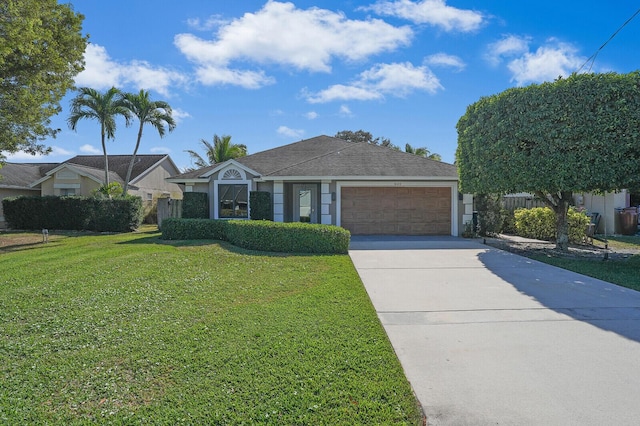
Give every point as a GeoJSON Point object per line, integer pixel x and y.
{"type": "Point", "coordinates": [195, 205]}
{"type": "Point", "coordinates": [261, 206]}
{"type": "Point", "coordinates": [116, 214]}
{"type": "Point", "coordinates": [193, 229]}
{"type": "Point", "coordinates": [261, 235]}
{"type": "Point", "coordinates": [288, 237]}
{"type": "Point", "coordinates": [490, 214]}
{"type": "Point", "coordinates": [578, 222]}
{"type": "Point", "coordinates": [73, 213]}
{"type": "Point", "coordinates": [540, 223]}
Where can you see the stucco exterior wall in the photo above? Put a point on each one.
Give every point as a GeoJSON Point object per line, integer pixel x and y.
{"type": "Point", "coordinates": [606, 205]}
{"type": "Point", "coordinates": [153, 184]}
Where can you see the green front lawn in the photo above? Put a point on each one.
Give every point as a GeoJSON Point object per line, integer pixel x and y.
{"type": "Point", "coordinates": [128, 329]}
{"type": "Point", "coordinates": [623, 272]}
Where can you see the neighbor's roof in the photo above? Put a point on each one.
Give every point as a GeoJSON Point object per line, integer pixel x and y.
{"type": "Point", "coordinates": [21, 175]}
{"type": "Point", "coordinates": [119, 163]}
{"type": "Point", "coordinates": [325, 156]}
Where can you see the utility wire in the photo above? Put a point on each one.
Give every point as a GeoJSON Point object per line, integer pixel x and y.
{"type": "Point", "coordinates": [592, 58]}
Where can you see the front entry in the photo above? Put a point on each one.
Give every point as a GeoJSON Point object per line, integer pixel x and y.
{"type": "Point", "coordinates": [305, 203]}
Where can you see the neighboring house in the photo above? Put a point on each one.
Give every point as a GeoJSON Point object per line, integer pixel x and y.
{"type": "Point", "coordinates": [365, 188]}
{"type": "Point", "coordinates": [16, 179]}
{"type": "Point", "coordinates": [83, 174]}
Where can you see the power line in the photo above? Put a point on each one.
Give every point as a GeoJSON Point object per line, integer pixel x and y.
{"type": "Point", "coordinates": [592, 58]}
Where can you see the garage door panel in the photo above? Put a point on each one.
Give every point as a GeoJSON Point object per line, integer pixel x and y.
{"type": "Point", "coordinates": [396, 211]}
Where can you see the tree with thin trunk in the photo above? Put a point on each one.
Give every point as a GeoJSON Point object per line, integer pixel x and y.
{"type": "Point", "coordinates": [422, 152]}
{"type": "Point", "coordinates": [577, 134]}
{"type": "Point", "coordinates": [156, 113]}
{"type": "Point", "coordinates": [220, 151]}
{"type": "Point", "coordinates": [104, 108]}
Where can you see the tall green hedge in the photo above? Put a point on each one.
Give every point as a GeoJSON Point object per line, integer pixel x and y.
{"type": "Point", "coordinates": [261, 205]}
{"type": "Point", "coordinates": [73, 213]}
{"type": "Point", "coordinates": [195, 205]}
{"type": "Point", "coordinates": [261, 234]}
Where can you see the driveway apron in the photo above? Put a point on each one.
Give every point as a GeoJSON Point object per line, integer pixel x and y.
{"type": "Point", "coordinates": [489, 337]}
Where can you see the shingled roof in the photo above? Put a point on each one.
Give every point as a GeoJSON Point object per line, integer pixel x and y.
{"type": "Point", "coordinates": [20, 175]}
{"type": "Point", "coordinates": [119, 163]}
{"type": "Point", "coordinates": [325, 156]}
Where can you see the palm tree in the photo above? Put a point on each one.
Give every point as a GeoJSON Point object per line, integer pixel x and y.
{"type": "Point", "coordinates": [102, 107]}
{"type": "Point", "coordinates": [156, 113]}
{"type": "Point", "coordinates": [220, 151]}
{"type": "Point", "coordinates": [422, 152]}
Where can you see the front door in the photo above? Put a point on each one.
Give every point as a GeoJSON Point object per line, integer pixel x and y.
{"type": "Point", "coordinates": [304, 203]}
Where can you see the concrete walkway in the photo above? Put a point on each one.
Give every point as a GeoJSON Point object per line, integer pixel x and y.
{"type": "Point", "coordinates": [489, 337]}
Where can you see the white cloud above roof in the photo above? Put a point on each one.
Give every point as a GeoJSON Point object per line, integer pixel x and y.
{"type": "Point", "coordinates": [432, 12]}
{"type": "Point", "coordinates": [281, 34]}
{"type": "Point", "coordinates": [548, 62]}
{"type": "Point", "coordinates": [103, 72]}
{"type": "Point", "coordinates": [397, 79]}
{"type": "Point", "coordinates": [90, 149]}
{"type": "Point", "coordinates": [293, 133]}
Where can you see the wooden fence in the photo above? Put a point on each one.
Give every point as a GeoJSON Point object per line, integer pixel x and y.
{"type": "Point", "coordinates": [168, 207]}
{"type": "Point", "coordinates": [521, 202]}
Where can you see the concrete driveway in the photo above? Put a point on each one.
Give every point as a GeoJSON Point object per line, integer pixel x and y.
{"type": "Point", "coordinates": [489, 337]}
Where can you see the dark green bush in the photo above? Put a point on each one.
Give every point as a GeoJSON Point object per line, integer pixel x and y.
{"type": "Point", "coordinates": [261, 206]}
{"type": "Point", "coordinates": [540, 223]}
{"type": "Point", "coordinates": [195, 205]}
{"type": "Point", "coordinates": [490, 214]}
{"type": "Point", "coordinates": [288, 237]}
{"type": "Point", "coordinates": [261, 235]}
{"type": "Point", "coordinates": [73, 213]}
{"type": "Point", "coordinates": [116, 214]}
{"type": "Point", "coordinates": [193, 229]}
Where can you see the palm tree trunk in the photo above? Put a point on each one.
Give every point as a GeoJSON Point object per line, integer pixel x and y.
{"type": "Point", "coordinates": [133, 160]}
{"type": "Point", "coordinates": [106, 159]}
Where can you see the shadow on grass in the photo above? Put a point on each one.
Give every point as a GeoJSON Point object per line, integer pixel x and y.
{"type": "Point", "coordinates": [604, 305]}
{"type": "Point", "coordinates": [223, 244]}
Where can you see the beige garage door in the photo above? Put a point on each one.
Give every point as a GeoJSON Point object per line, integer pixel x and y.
{"type": "Point", "coordinates": [396, 211]}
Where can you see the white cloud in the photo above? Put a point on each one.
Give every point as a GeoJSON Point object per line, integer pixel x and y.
{"type": "Point", "coordinates": [160, 150]}
{"type": "Point", "coordinates": [102, 72]}
{"type": "Point", "coordinates": [548, 62]}
{"type": "Point", "coordinates": [179, 115]}
{"type": "Point", "coordinates": [545, 64]}
{"type": "Point", "coordinates": [397, 79]}
{"type": "Point", "coordinates": [445, 60]}
{"type": "Point", "coordinates": [211, 75]}
{"type": "Point", "coordinates": [508, 46]}
{"type": "Point", "coordinates": [53, 156]}
{"type": "Point", "coordinates": [90, 149]}
{"type": "Point", "coordinates": [293, 133]}
{"type": "Point", "coordinates": [282, 34]}
{"type": "Point", "coordinates": [311, 115]}
{"type": "Point", "coordinates": [432, 12]}
{"type": "Point", "coordinates": [209, 24]}
{"type": "Point", "coordinates": [345, 111]}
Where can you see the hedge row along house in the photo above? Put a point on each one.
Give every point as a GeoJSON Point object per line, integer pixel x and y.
{"type": "Point", "coordinates": [365, 188]}
{"type": "Point", "coordinates": [83, 174]}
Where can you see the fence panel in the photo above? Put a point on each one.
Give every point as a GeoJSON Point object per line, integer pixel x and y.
{"type": "Point", "coordinates": [168, 208]}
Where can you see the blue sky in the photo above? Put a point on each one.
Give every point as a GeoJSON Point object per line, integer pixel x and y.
{"type": "Point", "coordinates": [269, 73]}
